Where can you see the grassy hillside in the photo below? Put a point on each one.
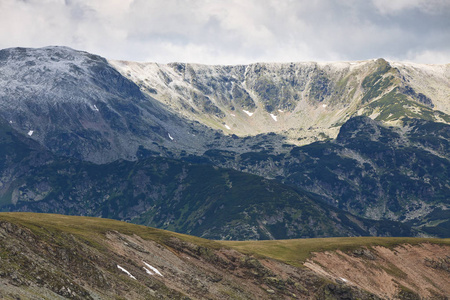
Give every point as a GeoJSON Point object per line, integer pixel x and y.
{"type": "Point", "coordinates": [93, 229]}
{"type": "Point", "coordinates": [297, 251]}
{"type": "Point", "coordinates": [293, 251]}
{"type": "Point", "coordinates": [60, 257]}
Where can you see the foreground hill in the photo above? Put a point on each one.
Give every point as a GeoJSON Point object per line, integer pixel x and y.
{"type": "Point", "coordinates": [63, 257]}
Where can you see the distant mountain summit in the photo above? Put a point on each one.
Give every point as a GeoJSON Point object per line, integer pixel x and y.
{"type": "Point", "coordinates": [298, 100]}
{"type": "Point", "coordinates": [76, 104]}
{"type": "Point", "coordinates": [82, 105]}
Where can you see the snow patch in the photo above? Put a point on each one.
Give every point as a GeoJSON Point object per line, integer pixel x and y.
{"type": "Point", "coordinates": [273, 117]}
{"type": "Point", "coordinates": [10, 122]}
{"type": "Point", "coordinates": [95, 108]}
{"type": "Point", "coordinates": [248, 113]}
{"type": "Point", "coordinates": [155, 270]}
{"type": "Point", "coordinates": [281, 111]}
{"type": "Point", "coordinates": [227, 127]}
{"type": "Point", "coordinates": [148, 271]}
{"type": "Point", "coordinates": [324, 105]}
{"type": "Point", "coordinates": [125, 271]}
{"type": "Point", "coordinates": [30, 133]}
{"type": "Point", "coordinates": [170, 137]}
{"type": "Point", "coordinates": [343, 279]}
{"type": "Point", "coordinates": [233, 115]}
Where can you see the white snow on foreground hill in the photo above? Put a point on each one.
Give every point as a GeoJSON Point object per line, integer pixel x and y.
{"type": "Point", "coordinates": [150, 270]}
{"type": "Point", "coordinates": [155, 270]}
{"type": "Point", "coordinates": [125, 271]}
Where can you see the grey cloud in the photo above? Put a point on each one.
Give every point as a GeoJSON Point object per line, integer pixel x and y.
{"type": "Point", "coordinates": [232, 31]}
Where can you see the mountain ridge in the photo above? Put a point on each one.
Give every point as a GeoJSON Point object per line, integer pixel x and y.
{"type": "Point", "coordinates": [321, 86]}
{"type": "Point", "coordinates": [370, 169]}
{"type": "Point", "coordinates": [182, 107]}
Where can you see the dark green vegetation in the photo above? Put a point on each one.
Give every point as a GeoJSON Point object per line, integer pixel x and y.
{"type": "Point", "coordinates": [377, 82]}
{"type": "Point", "coordinates": [197, 199]}
{"type": "Point", "coordinates": [370, 170]}
{"type": "Point", "coordinates": [395, 105]}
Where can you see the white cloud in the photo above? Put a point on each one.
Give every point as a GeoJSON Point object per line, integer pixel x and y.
{"type": "Point", "coordinates": [231, 31]}
{"type": "Point", "coordinates": [430, 57]}
{"type": "Point", "coordinates": [392, 7]}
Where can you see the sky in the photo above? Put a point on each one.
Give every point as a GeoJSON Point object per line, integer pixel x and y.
{"type": "Point", "coordinates": [234, 31]}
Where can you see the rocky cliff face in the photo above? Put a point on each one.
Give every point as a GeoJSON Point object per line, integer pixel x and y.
{"type": "Point", "coordinates": [299, 100]}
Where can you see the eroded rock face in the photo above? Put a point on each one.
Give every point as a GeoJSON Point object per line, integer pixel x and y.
{"type": "Point", "coordinates": [270, 97]}
{"type": "Point", "coordinates": [405, 272]}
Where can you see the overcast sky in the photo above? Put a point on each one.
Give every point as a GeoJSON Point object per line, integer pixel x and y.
{"type": "Point", "coordinates": [234, 31]}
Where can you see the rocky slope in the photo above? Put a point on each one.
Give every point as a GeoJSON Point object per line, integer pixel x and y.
{"type": "Point", "coordinates": [399, 272]}
{"type": "Point", "coordinates": [298, 100]}
{"type": "Point", "coordinates": [61, 257]}
{"type": "Point", "coordinates": [76, 104]}
{"type": "Point", "coordinates": [371, 170]}
{"type": "Point", "coordinates": [197, 199]}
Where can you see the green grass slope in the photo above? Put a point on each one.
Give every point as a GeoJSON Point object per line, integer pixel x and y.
{"type": "Point", "coordinates": [49, 256]}
{"type": "Point", "coordinates": [297, 251]}
{"type": "Point", "coordinates": [292, 251]}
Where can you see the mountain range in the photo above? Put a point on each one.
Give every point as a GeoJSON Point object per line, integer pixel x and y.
{"type": "Point", "coordinates": [260, 151]}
